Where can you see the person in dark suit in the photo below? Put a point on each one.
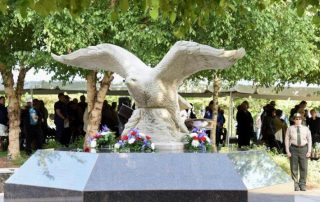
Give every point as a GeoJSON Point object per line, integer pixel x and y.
{"type": "Point", "coordinates": [245, 125]}
{"type": "Point", "coordinates": [314, 125]}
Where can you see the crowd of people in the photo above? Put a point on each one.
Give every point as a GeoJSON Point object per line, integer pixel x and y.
{"type": "Point", "coordinates": [293, 136]}
{"type": "Point", "coordinates": [295, 140]}
{"type": "Point", "coordinates": [271, 125]}
{"type": "Point", "coordinates": [70, 119]}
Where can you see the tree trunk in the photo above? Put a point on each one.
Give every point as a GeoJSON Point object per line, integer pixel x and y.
{"type": "Point", "coordinates": [13, 108]}
{"type": "Point", "coordinates": [216, 89]}
{"type": "Point", "coordinates": [94, 110]}
{"type": "Point", "coordinates": [91, 89]}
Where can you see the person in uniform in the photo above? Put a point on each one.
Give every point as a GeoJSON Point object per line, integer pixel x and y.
{"type": "Point", "coordinates": [298, 147]}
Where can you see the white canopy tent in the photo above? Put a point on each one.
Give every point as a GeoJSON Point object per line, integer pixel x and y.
{"type": "Point", "coordinates": [186, 90]}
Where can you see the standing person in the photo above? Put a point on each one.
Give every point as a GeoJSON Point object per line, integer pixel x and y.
{"type": "Point", "coordinates": [33, 126]}
{"type": "Point", "coordinates": [82, 105]}
{"type": "Point", "coordinates": [245, 125]}
{"type": "Point", "coordinates": [298, 147]}
{"type": "Point", "coordinates": [60, 116]}
{"type": "Point", "coordinates": [281, 128]}
{"type": "Point", "coordinates": [297, 109]}
{"type": "Point", "coordinates": [3, 112]}
{"type": "Point", "coordinates": [268, 129]}
{"type": "Point", "coordinates": [44, 122]}
{"type": "Point", "coordinates": [3, 121]}
{"type": "Point", "coordinates": [314, 125]}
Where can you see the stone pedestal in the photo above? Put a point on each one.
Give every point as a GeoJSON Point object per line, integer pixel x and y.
{"type": "Point", "coordinates": [132, 177]}
{"type": "Point", "coordinates": [170, 147]}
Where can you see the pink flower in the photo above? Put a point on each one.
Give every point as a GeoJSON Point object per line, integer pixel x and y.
{"type": "Point", "coordinates": [124, 137]}
{"type": "Point", "coordinates": [148, 137]}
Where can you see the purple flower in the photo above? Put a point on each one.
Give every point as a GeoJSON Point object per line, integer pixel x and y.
{"type": "Point", "coordinates": [105, 128]}
{"type": "Point", "coordinates": [195, 130]}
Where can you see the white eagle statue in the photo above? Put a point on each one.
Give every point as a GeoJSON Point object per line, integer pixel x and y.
{"type": "Point", "coordinates": [155, 90]}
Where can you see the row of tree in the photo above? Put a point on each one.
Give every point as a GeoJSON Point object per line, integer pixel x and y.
{"type": "Point", "coordinates": [281, 46]}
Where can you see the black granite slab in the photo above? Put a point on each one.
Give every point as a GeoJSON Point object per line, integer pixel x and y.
{"type": "Point", "coordinates": [72, 176]}
{"type": "Point", "coordinates": [168, 196]}
{"type": "Point", "coordinates": [24, 193]}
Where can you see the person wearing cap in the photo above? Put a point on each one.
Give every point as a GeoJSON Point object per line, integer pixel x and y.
{"type": "Point", "coordinates": [298, 147]}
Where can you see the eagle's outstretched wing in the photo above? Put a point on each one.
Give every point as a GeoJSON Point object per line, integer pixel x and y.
{"type": "Point", "coordinates": [104, 56]}
{"type": "Point", "coordinates": [186, 58]}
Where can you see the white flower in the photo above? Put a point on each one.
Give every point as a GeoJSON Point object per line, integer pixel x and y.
{"type": "Point", "coordinates": [93, 150]}
{"type": "Point", "coordinates": [195, 143]}
{"type": "Point", "coordinates": [131, 140]}
{"type": "Point", "coordinates": [152, 146]}
{"type": "Point", "coordinates": [93, 143]}
{"type": "Point", "coordinates": [117, 146]}
{"type": "Point", "coordinates": [104, 133]}
{"type": "Point", "coordinates": [142, 135]}
{"type": "Point", "coordinates": [208, 139]}
{"type": "Point", "coordinates": [193, 134]}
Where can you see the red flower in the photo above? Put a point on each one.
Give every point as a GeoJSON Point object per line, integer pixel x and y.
{"type": "Point", "coordinates": [133, 132]}
{"type": "Point", "coordinates": [203, 139]}
{"type": "Point", "coordinates": [97, 136]}
{"type": "Point", "coordinates": [148, 137]}
{"type": "Point", "coordinates": [195, 138]}
{"type": "Point", "coordinates": [124, 137]}
{"type": "Point", "coordinates": [87, 149]}
{"type": "Point", "coordinates": [139, 139]}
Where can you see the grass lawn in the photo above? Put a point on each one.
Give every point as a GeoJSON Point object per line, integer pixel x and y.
{"type": "Point", "coordinates": [3, 153]}
{"type": "Point", "coordinates": [4, 162]}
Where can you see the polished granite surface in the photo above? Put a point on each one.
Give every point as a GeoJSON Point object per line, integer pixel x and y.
{"type": "Point", "coordinates": [56, 169]}
{"type": "Point", "coordinates": [164, 171]}
{"type": "Point", "coordinates": [76, 176]}
{"type": "Point", "coordinates": [123, 171]}
{"type": "Point", "coordinates": [257, 169]}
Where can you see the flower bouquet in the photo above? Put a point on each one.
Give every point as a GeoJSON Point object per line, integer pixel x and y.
{"type": "Point", "coordinates": [198, 140]}
{"type": "Point", "coordinates": [134, 141]}
{"type": "Point", "coordinates": [103, 138]}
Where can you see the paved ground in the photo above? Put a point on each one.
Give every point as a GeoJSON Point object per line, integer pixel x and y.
{"type": "Point", "coordinates": [308, 196]}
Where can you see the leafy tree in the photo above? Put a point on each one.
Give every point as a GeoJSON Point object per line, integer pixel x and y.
{"type": "Point", "coordinates": [133, 30]}
{"type": "Point", "coordinates": [280, 45]}
{"type": "Point", "coordinates": [21, 48]}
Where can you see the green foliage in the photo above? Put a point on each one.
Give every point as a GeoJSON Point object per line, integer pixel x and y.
{"type": "Point", "coordinates": [22, 40]}
{"type": "Point", "coordinates": [279, 44]}
{"type": "Point", "coordinates": [3, 153]}
{"type": "Point", "coordinates": [21, 160]}
{"type": "Point", "coordinates": [77, 144]}
{"type": "Point", "coordinates": [107, 139]}
{"type": "Point", "coordinates": [133, 30]}
{"type": "Point", "coordinates": [52, 144]}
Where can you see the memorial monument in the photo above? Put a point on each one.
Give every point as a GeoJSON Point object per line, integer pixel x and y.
{"type": "Point", "coordinates": [154, 177]}
{"type": "Point", "coordinates": [155, 90]}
